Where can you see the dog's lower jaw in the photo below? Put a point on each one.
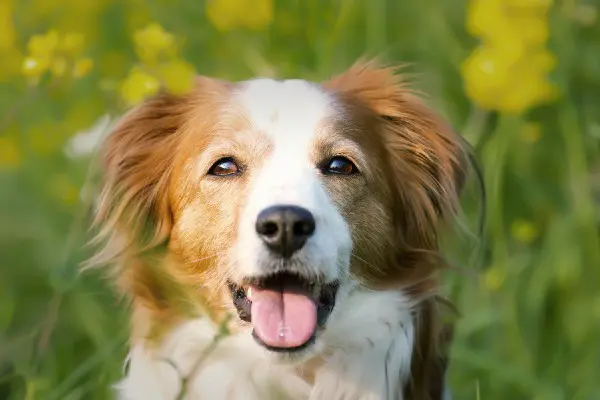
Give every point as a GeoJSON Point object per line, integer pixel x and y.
{"type": "Point", "coordinates": [368, 346]}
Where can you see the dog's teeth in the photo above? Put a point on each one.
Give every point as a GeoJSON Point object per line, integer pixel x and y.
{"type": "Point", "coordinates": [249, 293]}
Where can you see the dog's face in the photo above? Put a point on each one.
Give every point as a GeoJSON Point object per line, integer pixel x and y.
{"type": "Point", "coordinates": [283, 182]}
{"type": "Point", "coordinates": [273, 196]}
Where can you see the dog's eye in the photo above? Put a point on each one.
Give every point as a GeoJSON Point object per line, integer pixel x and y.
{"type": "Point", "coordinates": [224, 167]}
{"type": "Point", "coordinates": [340, 165]}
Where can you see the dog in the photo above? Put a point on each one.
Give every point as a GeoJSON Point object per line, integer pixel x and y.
{"type": "Point", "coordinates": [278, 239]}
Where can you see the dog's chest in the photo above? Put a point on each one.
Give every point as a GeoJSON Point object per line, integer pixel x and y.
{"type": "Point", "coordinates": [363, 355]}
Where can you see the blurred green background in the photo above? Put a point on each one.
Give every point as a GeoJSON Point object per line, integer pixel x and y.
{"type": "Point", "coordinates": [519, 78]}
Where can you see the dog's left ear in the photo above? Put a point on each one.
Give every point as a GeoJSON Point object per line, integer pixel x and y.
{"type": "Point", "coordinates": [427, 160]}
{"type": "Point", "coordinates": [428, 164]}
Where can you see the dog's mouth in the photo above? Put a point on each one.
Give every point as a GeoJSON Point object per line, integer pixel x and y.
{"type": "Point", "coordinates": [285, 309]}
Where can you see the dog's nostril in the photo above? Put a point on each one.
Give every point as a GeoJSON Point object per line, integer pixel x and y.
{"type": "Point", "coordinates": [269, 229]}
{"type": "Point", "coordinates": [285, 229]}
{"type": "Point", "coordinates": [304, 227]}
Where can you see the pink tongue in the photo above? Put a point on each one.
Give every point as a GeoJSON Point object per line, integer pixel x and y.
{"type": "Point", "coordinates": [282, 318]}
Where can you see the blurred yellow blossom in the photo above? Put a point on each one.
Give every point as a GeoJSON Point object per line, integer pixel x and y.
{"type": "Point", "coordinates": [43, 45]}
{"type": "Point", "coordinates": [524, 231]}
{"type": "Point", "coordinates": [11, 57]}
{"type": "Point", "coordinates": [72, 44]}
{"type": "Point", "coordinates": [257, 14]}
{"type": "Point", "coordinates": [178, 76]}
{"type": "Point", "coordinates": [508, 71]}
{"type": "Point", "coordinates": [7, 29]}
{"type": "Point", "coordinates": [152, 42]}
{"type": "Point", "coordinates": [55, 53]}
{"type": "Point", "coordinates": [230, 14]}
{"type": "Point", "coordinates": [34, 66]}
{"type": "Point", "coordinates": [160, 66]}
{"type": "Point", "coordinates": [82, 67]}
{"type": "Point", "coordinates": [138, 85]}
{"type": "Point", "coordinates": [10, 154]}
{"type": "Point", "coordinates": [532, 29]}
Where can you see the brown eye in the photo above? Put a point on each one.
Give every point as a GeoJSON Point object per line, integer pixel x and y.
{"type": "Point", "coordinates": [341, 166]}
{"type": "Point", "coordinates": [224, 167]}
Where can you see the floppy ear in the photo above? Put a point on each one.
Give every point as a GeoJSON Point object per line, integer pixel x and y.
{"type": "Point", "coordinates": [137, 161]}
{"type": "Point", "coordinates": [427, 160]}
{"type": "Point", "coordinates": [428, 164]}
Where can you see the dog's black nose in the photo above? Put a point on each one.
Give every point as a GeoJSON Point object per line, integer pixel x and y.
{"type": "Point", "coordinates": [285, 229]}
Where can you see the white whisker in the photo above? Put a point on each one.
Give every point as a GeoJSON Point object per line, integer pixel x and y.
{"type": "Point", "coordinates": [205, 258]}
{"type": "Point", "coordinates": [363, 260]}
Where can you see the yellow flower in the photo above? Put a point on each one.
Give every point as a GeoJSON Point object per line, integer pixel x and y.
{"type": "Point", "coordinates": [532, 90]}
{"type": "Point", "coordinates": [139, 85]}
{"type": "Point", "coordinates": [223, 14]}
{"type": "Point", "coordinates": [508, 71]}
{"type": "Point", "coordinates": [230, 14]}
{"type": "Point", "coordinates": [72, 44]}
{"type": "Point", "coordinates": [258, 14]}
{"type": "Point", "coordinates": [43, 46]}
{"type": "Point", "coordinates": [10, 154]}
{"type": "Point", "coordinates": [524, 231]}
{"type": "Point", "coordinates": [484, 16]}
{"type": "Point", "coordinates": [178, 76]}
{"type": "Point", "coordinates": [55, 52]}
{"type": "Point", "coordinates": [498, 24]}
{"type": "Point", "coordinates": [82, 67]}
{"type": "Point", "coordinates": [531, 27]}
{"type": "Point", "coordinates": [152, 42]}
{"type": "Point", "coordinates": [7, 33]}
{"type": "Point", "coordinates": [34, 66]}
{"type": "Point", "coordinates": [487, 75]}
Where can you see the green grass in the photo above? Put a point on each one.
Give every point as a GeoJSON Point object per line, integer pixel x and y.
{"type": "Point", "coordinates": [530, 324]}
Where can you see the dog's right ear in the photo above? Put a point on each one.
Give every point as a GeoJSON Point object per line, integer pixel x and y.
{"type": "Point", "coordinates": [136, 164]}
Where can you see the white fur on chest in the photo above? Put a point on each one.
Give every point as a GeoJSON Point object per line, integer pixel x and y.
{"type": "Point", "coordinates": [368, 346]}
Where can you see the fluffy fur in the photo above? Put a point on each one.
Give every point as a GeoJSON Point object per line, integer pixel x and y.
{"type": "Point", "coordinates": [176, 236]}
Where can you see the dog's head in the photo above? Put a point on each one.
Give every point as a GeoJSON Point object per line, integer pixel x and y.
{"type": "Point", "coordinates": [273, 196]}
